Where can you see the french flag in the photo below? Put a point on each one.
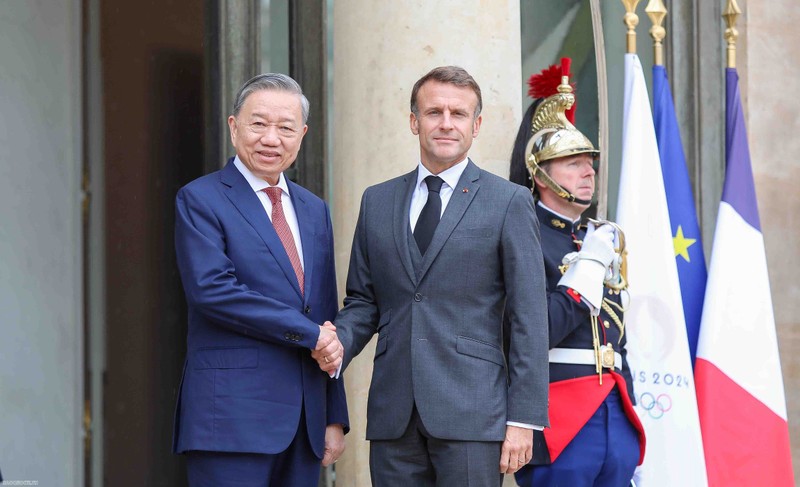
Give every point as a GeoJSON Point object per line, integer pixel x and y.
{"type": "Point", "coordinates": [738, 372]}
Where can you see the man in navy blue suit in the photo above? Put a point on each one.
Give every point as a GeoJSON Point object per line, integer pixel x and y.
{"type": "Point", "coordinates": [255, 253]}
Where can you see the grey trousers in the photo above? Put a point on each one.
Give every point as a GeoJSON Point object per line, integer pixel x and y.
{"type": "Point", "coordinates": [419, 460]}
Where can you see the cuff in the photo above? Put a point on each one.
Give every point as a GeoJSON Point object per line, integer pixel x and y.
{"type": "Point", "coordinates": [586, 277]}
{"type": "Point", "coordinates": [525, 425]}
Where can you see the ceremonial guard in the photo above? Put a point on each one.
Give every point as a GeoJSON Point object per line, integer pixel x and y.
{"type": "Point", "coordinates": [595, 438]}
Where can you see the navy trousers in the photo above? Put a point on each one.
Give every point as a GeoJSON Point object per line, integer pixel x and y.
{"type": "Point", "coordinates": [297, 466]}
{"type": "Point", "coordinates": [603, 454]}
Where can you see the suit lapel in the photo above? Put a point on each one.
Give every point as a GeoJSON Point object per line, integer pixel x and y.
{"type": "Point", "coordinates": [245, 200]}
{"type": "Point", "coordinates": [307, 234]}
{"type": "Point", "coordinates": [402, 227]}
{"type": "Point", "coordinates": [456, 207]}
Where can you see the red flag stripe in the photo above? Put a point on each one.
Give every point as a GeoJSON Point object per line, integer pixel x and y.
{"type": "Point", "coordinates": [745, 442]}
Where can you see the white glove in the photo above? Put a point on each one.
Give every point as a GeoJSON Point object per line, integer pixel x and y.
{"type": "Point", "coordinates": [589, 267]}
{"type": "Point", "coordinates": [598, 245]}
{"type": "Point", "coordinates": [637, 477]}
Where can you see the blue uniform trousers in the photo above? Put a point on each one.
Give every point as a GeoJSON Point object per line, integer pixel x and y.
{"type": "Point", "coordinates": [603, 454]}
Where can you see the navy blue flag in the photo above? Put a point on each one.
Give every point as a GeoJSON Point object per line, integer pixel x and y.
{"type": "Point", "coordinates": [680, 203]}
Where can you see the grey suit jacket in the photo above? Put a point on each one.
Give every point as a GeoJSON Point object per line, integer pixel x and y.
{"type": "Point", "coordinates": [439, 319]}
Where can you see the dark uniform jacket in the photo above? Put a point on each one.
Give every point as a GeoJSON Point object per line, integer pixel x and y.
{"type": "Point", "coordinates": [569, 318]}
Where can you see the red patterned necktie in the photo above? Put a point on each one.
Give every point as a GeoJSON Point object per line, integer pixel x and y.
{"type": "Point", "coordinates": [285, 233]}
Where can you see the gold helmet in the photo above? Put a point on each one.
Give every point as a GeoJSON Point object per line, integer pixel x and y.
{"type": "Point", "coordinates": [553, 135]}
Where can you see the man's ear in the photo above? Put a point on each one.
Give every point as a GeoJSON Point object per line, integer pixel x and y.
{"type": "Point", "coordinates": [232, 127]}
{"type": "Point", "coordinates": [476, 126]}
{"type": "Point", "coordinates": [540, 186]}
{"type": "Point", "coordinates": [414, 123]}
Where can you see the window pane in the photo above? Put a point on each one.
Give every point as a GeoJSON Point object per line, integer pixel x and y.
{"type": "Point", "coordinates": [274, 36]}
{"type": "Point", "coordinates": [552, 30]}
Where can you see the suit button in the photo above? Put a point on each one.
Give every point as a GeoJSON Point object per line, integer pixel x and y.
{"type": "Point", "coordinates": [287, 335]}
{"type": "Point", "coordinates": [307, 310]}
{"type": "Point", "coordinates": [418, 297]}
{"type": "Point", "coordinates": [298, 337]}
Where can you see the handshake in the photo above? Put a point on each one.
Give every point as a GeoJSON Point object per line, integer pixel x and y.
{"type": "Point", "coordinates": [329, 351]}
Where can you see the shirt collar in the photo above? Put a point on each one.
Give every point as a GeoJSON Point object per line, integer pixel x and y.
{"type": "Point", "coordinates": [557, 213]}
{"type": "Point", "coordinates": [256, 182]}
{"type": "Point", "coordinates": [556, 220]}
{"type": "Point", "coordinates": [450, 176]}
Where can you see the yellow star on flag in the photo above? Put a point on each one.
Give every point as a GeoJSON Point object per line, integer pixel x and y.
{"type": "Point", "coordinates": [682, 244]}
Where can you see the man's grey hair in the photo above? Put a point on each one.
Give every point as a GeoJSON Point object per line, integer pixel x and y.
{"type": "Point", "coordinates": [270, 82]}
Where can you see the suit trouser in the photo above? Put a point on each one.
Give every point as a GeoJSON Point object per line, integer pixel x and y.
{"type": "Point", "coordinates": [420, 460]}
{"type": "Point", "coordinates": [297, 466]}
{"type": "Point", "coordinates": [603, 454]}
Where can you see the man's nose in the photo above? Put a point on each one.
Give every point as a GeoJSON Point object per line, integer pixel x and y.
{"type": "Point", "coordinates": [447, 122]}
{"type": "Point", "coordinates": [270, 136]}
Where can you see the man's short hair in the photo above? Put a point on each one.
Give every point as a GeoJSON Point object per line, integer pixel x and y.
{"type": "Point", "coordinates": [453, 75]}
{"type": "Point", "coordinates": [270, 82]}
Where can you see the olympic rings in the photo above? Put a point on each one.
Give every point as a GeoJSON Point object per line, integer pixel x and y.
{"type": "Point", "coordinates": [655, 406]}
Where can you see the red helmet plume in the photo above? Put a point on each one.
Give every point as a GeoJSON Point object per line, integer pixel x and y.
{"type": "Point", "coordinates": [544, 84]}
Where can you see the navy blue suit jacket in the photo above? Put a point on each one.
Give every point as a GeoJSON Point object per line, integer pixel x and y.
{"type": "Point", "coordinates": [248, 369]}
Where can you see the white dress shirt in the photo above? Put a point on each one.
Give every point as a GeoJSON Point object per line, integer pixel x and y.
{"type": "Point", "coordinates": [259, 185]}
{"type": "Point", "coordinates": [420, 197]}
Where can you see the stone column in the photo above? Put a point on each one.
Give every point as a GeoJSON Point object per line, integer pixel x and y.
{"type": "Point", "coordinates": [768, 42]}
{"type": "Point", "coordinates": [232, 40]}
{"type": "Point", "coordinates": [380, 50]}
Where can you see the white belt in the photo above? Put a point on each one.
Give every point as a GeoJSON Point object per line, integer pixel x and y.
{"type": "Point", "coordinates": [579, 356]}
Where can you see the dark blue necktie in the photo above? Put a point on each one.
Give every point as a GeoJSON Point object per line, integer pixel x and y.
{"type": "Point", "coordinates": [429, 217]}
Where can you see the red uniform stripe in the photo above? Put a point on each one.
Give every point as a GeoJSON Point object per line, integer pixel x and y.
{"type": "Point", "coordinates": [574, 294]}
{"type": "Point", "coordinates": [574, 401]}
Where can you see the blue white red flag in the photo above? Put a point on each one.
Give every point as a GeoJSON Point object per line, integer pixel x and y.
{"type": "Point", "coordinates": [738, 372]}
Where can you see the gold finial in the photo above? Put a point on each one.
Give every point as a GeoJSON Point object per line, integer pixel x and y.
{"type": "Point", "coordinates": [731, 13]}
{"type": "Point", "coordinates": [657, 12]}
{"type": "Point", "coordinates": [564, 87]}
{"type": "Point", "coordinates": [631, 20]}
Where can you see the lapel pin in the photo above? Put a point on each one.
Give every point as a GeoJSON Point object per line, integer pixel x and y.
{"type": "Point", "coordinates": [465, 190]}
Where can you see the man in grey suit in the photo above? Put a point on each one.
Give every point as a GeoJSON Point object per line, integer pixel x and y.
{"type": "Point", "coordinates": [438, 256]}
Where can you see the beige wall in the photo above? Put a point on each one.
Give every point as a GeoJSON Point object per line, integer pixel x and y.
{"type": "Point", "coordinates": [372, 139]}
{"type": "Point", "coordinates": [769, 74]}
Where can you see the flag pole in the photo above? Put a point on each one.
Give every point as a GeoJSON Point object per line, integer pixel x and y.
{"type": "Point", "coordinates": [602, 109]}
{"type": "Point", "coordinates": [631, 20]}
{"type": "Point", "coordinates": [657, 338]}
{"type": "Point", "coordinates": [657, 11]}
{"type": "Point", "coordinates": [731, 13]}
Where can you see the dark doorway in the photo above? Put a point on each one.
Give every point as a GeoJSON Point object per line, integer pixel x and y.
{"type": "Point", "coordinates": [152, 70]}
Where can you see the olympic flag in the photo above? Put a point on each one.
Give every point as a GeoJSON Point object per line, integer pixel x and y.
{"type": "Point", "coordinates": [682, 215]}
{"type": "Point", "coordinates": [658, 351]}
{"type": "Point", "coordinates": [738, 371]}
